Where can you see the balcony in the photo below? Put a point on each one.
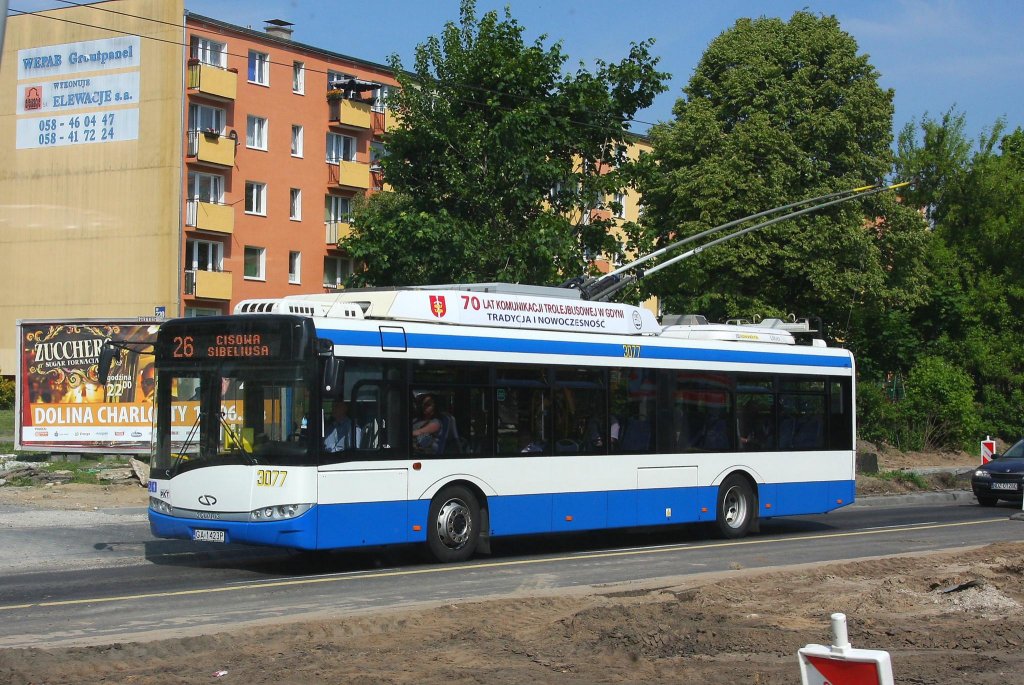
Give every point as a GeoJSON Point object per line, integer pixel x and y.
{"type": "Point", "coordinates": [212, 148]}
{"type": "Point", "coordinates": [210, 216]}
{"type": "Point", "coordinates": [350, 113]}
{"type": "Point", "coordinates": [347, 174]}
{"type": "Point", "coordinates": [213, 81]}
{"type": "Point", "coordinates": [336, 230]}
{"type": "Point", "coordinates": [384, 120]}
{"type": "Point", "coordinates": [208, 285]}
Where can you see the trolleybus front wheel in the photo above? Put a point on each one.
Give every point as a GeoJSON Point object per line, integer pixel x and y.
{"type": "Point", "coordinates": [737, 507]}
{"type": "Point", "coordinates": [453, 526]}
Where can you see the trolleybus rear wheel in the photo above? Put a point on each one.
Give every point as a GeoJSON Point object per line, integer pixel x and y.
{"type": "Point", "coordinates": [737, 507]}
{"type": "Point", "coordinates": [453, 524]}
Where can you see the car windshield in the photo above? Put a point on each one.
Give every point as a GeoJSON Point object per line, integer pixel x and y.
{"type": "Point", "coordinates": [1015, 452]}
{"type": "Point", "coordinates": [232, 416]}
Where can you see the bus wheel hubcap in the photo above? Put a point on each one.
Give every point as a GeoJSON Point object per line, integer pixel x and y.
{"type": "Point", "coordinates": [734, 508]}
{"type": "Point", "coordinates": [454, 523]}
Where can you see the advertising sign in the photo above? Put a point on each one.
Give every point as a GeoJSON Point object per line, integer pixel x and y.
{"type": "Point", "coordinates": [61, 404]}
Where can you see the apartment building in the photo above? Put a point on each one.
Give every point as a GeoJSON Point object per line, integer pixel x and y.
{"type": "Point", "coordinates": [158, 162]}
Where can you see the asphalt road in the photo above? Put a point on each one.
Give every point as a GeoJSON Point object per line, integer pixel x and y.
{"type": "Point", "coordinates": [104, 578]}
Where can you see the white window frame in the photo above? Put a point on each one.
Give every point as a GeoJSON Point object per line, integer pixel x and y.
{"type": "Point", "coordinates": [205, 118]}
{"type": "Point", "coordinates": [381, 95]}
{"type": "Point", "coordinates": [340, 148]}
{"type": "Point", "coordinates": [337, 208]}
{"type": "Point", "coordinates": [259, 68]}
{"type": "Point", "coordinates": [256, 132]}
{"type": "Point", "coordinates": [296, 140]}
{"type": "Point", "coordinates": [215, 252]}
{"type": "Point", "coordinates": [342, 269]}
{"type": "Point", "coordinates": [261, 256]}
{"type": "Point", "coordinates": [256, 198]}
{"type": "Point", "coordinates": [295, 204]}
{"type": "Point", "coordinates": [295, 267]}
{"type": "Point", "coordinates": [620, 198]}
{"type": "Point", "coordinates": [299, 77]}
{"type": "Point", "coordinates": [209, 51]}
{"type": "Point", "coordinates": [204, 187]}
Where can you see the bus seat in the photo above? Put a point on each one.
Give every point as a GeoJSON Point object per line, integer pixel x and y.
{"type": "Point", "coordinates": [637, 437]}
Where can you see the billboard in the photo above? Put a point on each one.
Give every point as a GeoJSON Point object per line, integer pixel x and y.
{"type": "Point", "coordinates": [60, 403]}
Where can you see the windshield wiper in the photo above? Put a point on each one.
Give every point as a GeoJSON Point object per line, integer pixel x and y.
{"type": "Point", "coordinates": [181, 454]}
{"type": "Point", "coordinates": [239, 445]}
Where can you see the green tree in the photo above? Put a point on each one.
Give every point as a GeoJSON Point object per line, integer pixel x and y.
{"type": "Point", "coordinates": [777, 111]}
{"type": "Point", "coordinates": [499, 156]}
{"type": "Point", "coordinates": [975, 300]}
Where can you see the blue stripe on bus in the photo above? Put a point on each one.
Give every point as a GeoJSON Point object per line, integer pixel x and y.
{"type": "Point", "coordinates": [431, 341]}
{"type": "Point", "coordinates": [333, 526]}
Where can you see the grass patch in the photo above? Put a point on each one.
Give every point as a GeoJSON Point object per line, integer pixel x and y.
{"type": "Point", "coordinates": [905, 477]}
{"type": "Point", "coordinates": [6, 422]}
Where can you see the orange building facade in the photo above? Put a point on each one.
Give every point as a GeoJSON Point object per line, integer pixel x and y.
{"type": "Point", "coordinates": [280, 138]}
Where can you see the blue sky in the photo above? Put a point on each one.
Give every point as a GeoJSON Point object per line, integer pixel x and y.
{"type": "Point", "coordinates": [933, 54]}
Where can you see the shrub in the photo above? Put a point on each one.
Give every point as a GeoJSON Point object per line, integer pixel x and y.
{"type": "Point", "coordinates": [6, 393]}
{"type": "Point", "coordinates": [939, 408]}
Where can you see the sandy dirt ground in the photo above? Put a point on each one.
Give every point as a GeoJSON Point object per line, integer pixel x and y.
{"type": "Point", "coordinates": [951, 617]}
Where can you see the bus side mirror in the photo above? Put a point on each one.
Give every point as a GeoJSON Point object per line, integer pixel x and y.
{"type": "Point", "coordinates": [106, 359]}
{"type": "Point", "coordinates": [334, 376]}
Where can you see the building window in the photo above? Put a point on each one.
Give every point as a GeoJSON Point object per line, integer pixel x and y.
{"type": "Point", "coordinates": [256, 133]}
{"type": "Point", "coordinates": [294, 267]}
{"type": "Point", "coordinates": [619, 205]}
{"type": "Point", "coordinates": [205, 187]}
{"type": "Point", "coordinates": [255, 263]}
{"type": "Point", "coordinates": [377, 152]}
{"type": "Point", "coordinates": [258, 68]}
{"type": "Point", "coordinates": [336, 270]}
{"type": "Point", "coordinates": [337, 209]}
{"type": "Point", "coordinates": [381, 94]}
{"type": "Point", "coordinates": [296, 140]}
{"type": "Point", "coordinates": [204, 255]}
{"type": "Point", "coordinates": [340, 148]}
{"type": "Point", "coordinates": [298, 77]}
{"type": "Point", "coordinates": [335, 78]}
{"type": "Point", "coordinates": [191, 312]}
{"type": "Point", "coordinates": [255, 198]}
{"type": "Point", "coordinates": [203, 118]}
{"type": "Point", "coordinates": [295, 205]}
{"type": "Point", "coordinates": [210, 51]}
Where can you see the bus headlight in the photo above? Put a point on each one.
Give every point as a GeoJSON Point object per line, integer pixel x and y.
{"type": "Point", "coordinates": [279, 512]}
{"type": "Point", "coordinates": [160, 506]}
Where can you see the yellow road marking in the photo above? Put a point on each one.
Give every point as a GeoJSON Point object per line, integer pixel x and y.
{"type": "Point", "coordinates": [487, 565]}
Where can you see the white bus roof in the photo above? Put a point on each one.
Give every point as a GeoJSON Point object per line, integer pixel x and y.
{"type": "Point", "coordinates": [504, 305]}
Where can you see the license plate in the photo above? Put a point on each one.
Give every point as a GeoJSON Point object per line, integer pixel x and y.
{"type": "Point", "coordinates": [1004, 486]}
{"type": "Point", "coordinates": [208, 535]}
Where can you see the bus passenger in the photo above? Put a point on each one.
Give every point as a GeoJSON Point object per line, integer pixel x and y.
{"type": "Point", "coordinates": [426, 429]}
{"type": "Point", "coordinates": [340, 428]}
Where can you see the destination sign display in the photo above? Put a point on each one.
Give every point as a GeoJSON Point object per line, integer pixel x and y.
{"type": "Point", "coordinates": [225, 345]}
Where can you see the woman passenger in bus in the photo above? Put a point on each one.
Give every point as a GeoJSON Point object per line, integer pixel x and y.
{"type": "Point", "coordinates": [426, 428]}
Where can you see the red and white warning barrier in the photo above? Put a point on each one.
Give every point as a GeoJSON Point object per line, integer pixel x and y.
{"type": "Point", "coordinates": [841, 664]}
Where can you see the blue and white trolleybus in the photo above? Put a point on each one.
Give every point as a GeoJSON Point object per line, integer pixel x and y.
{"type": "Point", "coordinates": [534, 411]}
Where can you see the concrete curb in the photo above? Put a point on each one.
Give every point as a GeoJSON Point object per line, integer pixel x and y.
{"type": "Point", "coordinates": [943, 496]}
